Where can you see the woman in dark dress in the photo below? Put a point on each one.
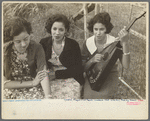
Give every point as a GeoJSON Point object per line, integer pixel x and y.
{"type": "Point", "coordinates": [63, 58]}
{"type": "Point", "coordinates": [24, 63]}
{"type": "Point", "coordinates": [101, 26]}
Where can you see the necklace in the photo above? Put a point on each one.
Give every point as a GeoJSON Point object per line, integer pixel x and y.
{"type": "Point", "coordinates": [57, 48]}
{"type": "Point", "coordinates": [61, 45]}
{"type": "Point", "coordinates": [21, 56]}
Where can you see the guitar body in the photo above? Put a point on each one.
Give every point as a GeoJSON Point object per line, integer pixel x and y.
{"type": "Point", "coordinates": [100, 71]}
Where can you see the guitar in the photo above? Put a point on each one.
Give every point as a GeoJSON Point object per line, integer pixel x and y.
{"type": "Point", "coordinates": [98, 72]}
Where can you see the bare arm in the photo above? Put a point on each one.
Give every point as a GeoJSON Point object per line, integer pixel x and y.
{"type": "Point", "coordinates": [123, 35]}
{"type": "Point", "coordinates": [126, 56]}
{"type": "Point", "coordinates": [18, 84]}
{"type": "Point", "coordinates": [25, 84]}
{"type": "Point", "coordinates": [41, 63]}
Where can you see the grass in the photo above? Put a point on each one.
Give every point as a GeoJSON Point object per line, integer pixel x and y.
{"type": "Point", "coordinates": [135, 76]}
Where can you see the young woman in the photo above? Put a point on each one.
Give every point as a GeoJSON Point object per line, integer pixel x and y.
{"type": "Point", "coordinates": [63, 58]}
{"type": "Point", "coordinates": [24, 63]}
{"type": "Point", "coordinates": [101, 26]}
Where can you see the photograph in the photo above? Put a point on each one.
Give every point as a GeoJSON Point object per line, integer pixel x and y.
{"type": "Point", "coordinates": [74, 60]}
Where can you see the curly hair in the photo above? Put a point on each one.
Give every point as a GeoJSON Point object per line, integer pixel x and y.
{"type": "Point", "coordinates": [14, 26]}
{"type": "Point", "coordinates": [57, 18]}
{"type": "Point", "coordinates": [103, 18]}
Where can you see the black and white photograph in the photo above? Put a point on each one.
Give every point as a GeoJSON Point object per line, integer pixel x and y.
{"type": "Point", "coordinates": [80, 59]}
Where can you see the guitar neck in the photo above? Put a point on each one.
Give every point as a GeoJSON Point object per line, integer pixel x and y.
{"type": "Point", "coordinates": [130, 24]}
{"type": "Point", "coordinates": [134, 19]}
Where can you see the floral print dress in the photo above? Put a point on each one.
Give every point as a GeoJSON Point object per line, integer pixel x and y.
{"type": "Point", "coordinates": [21, 72]}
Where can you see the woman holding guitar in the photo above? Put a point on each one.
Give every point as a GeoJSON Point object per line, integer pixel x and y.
{"type": "Point", "coordinates": [92, 53]}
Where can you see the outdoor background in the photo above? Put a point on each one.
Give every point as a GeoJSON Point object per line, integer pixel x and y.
{"type": "Point", "coordinates": [38, 13]}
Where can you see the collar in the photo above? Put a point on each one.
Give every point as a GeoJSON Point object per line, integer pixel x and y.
{"type": "Point", "coordinates": [90, 43]}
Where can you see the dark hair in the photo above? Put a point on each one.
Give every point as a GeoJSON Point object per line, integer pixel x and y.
{"type": "Point", "coordinates": [14, 26]}
{"type": "Point", "coordinates": [103, 18]}
{"type": "Point", "coordinates": [57, 18]}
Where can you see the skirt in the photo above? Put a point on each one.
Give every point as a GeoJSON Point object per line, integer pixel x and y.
{"type": "Point", "coordinates": [107, 91]}
{"type": "Point", "coordinates": [24, 93]}
{"type": "Point", "coordinates": [64, 88]}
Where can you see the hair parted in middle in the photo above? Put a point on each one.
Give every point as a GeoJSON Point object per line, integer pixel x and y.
{"type": "Point", "coordinates": [57, 18]}
{"type": "Point", "coordinates": [103, 18]}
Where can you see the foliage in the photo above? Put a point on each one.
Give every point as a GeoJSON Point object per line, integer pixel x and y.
{"type": "Point", "coordinates": [25, 10]}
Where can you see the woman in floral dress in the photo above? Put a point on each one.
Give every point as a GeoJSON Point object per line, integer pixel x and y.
{"type": "Point", "coordinates": [63, 58]}
{"type": "Point", "coordinates": [25, 75]}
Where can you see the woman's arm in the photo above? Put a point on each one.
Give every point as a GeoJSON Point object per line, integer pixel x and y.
{"type": "Point", "coordinates": [25, 84]}
{"type": "Point", "coordinates": [126, 55]}
{"type": "Point", "coordinates": [86, 62]}
{"type": "Point", "coordinates": [41, 65]}
{"type": "Point", "coordinates": [96, 58]}
{"type": "Point", "coordinates": [123, 35]}
{"type": "Point", "coordinates": [18, 84]}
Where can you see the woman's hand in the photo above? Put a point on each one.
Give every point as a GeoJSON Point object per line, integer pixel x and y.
{"type": "Point", "coordinates": [123, 35]}
{"type": "Point", "coordinates": [97, 58]}
{"type": "Point", "coordinates": [39, 77]}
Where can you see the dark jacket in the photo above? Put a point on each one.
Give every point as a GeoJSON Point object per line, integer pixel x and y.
{"type": "Point", "coordinates": [70, 58]}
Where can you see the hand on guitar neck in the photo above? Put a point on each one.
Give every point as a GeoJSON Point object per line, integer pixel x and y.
{"type": "Point", "coordinates": [123, 33]}
{"type": "Point", "coordinates": [123, 36]}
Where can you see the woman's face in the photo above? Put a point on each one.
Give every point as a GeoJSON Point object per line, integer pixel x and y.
{"type": "Point", "coordinates": [21, 41]}
{"type": "Point", "coordinates": [99, 31]}
{"type": "Point", "coordinates": [58, 31]}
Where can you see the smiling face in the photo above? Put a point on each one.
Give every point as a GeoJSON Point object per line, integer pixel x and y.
{"type": "Point", "coordinates": [58, 31]}
{"type": "Point", "coordinates": [21, 41]}
{"type": "Point", "coordinates": [99, 31]}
